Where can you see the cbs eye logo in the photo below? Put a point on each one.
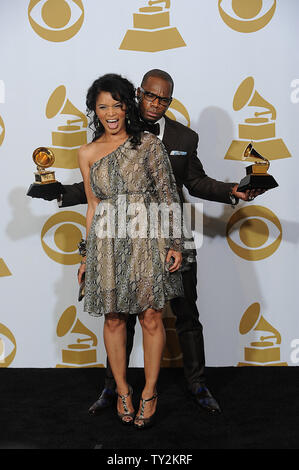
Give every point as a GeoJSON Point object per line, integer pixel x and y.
{"type": "Point", "coordinates": [56, 20]}
{"type": "Point", "coordinates": [180, 111]}
{"type": "Point", "coordinates": [246, 16]}
{"type": "Point", "coordinates": [63, 232]}
{"type": "Point", "coordinates": [250, 236]}
{"type": "Point", "coordinates": [7, 349]}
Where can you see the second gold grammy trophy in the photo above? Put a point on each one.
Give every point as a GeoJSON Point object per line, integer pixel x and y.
{"type": "Point", "coordinates": [257, 176]}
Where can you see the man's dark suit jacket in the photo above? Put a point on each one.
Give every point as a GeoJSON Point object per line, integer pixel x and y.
{"type": "Point", "coordinates": [187, 169]}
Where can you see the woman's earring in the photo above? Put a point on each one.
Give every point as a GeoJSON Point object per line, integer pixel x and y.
{"type": "Point", "coordinates": [128, 120]}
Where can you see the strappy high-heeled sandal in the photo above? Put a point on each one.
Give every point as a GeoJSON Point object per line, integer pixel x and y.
{"type": "Point", "coordinates": [123, 417]}
{"type": "Point", "coordinates": [145, 422]}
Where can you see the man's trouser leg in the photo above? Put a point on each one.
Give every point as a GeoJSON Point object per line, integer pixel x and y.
{"type": "Point", "coordinates": [189, 330]}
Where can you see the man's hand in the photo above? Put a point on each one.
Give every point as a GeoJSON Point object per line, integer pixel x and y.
{"type": "Point", "coordinates": [248, 195]}
{"type": "Point", "coordinates": [177, 256]}
{"type": "Point", "coordinates": [48, 191]}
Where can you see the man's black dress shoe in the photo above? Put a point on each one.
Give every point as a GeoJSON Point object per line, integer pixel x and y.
{"type": "Point", "coordinates": [205, 400]}
{"type": "Point", "coordinates": [106, 399]}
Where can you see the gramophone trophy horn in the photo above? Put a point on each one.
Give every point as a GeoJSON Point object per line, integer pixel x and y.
{"type": "Point", "coordinates": [256, 174]}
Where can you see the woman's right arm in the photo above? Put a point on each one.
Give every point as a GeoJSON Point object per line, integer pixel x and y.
{"type": "Point", "coordinates": [84, 165]}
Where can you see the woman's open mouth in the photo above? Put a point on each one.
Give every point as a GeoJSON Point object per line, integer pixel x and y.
{"type": "Point", "coordinates": [112, 123]}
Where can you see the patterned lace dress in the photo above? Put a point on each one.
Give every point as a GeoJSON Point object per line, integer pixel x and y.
{"type": "Point", "coordinates": [126, 270]}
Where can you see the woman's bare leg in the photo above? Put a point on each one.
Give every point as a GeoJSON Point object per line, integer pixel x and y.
{"type": "Point", "coordinates": [153, 346]}
{"type": "Point", "coordinates": [115, 338]}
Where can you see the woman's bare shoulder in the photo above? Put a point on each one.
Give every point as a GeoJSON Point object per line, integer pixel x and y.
{"type": "Point", "coordinates": [86, 152]}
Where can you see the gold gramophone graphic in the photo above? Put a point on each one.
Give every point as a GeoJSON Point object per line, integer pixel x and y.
{"type": "Point", "coordinates": [2, 351]}
{"type": "Point", "coordinates": [262, 352]}
{"type": "Point", "coordinates": [152, 31]}
{"type": "Point", "coordinates": [260, 129]}
{"type": "Point", "coordinates": [257, 174]}
{"type": "Point", "coordinates": [172, 354]}
{"type": "Point", "coordinates": [67, 139]}
{"type": "Point", "coordinates": [177, 106]}
{"type": "Point", "coordinates": [78, 354]}
{"type": "Point", "coordinates": [4, 271]}
{"type": "Point", "coordinates": [7, 354]}
{"type": "Point", "coordinates": [2, 130]}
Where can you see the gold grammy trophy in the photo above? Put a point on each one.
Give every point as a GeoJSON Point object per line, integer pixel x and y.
{"type": "Point", "coordinates": [256, 174]}
{"type": "Point", "coordinates": [262, 352]}
{"type": "Point", "coordinates": [67, 139]}
{"type": "Point", "coordinates": [261, 129]}
{"type": "Point", "coordinates": [45, 182]}
{"type": "Point", "coordinates": [152, 31]}
{"type": "Point", "coordinates": [77, 354]}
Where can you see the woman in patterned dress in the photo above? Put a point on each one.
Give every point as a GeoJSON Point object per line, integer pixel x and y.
{"type": "Point", "coordinates": [129, 268]}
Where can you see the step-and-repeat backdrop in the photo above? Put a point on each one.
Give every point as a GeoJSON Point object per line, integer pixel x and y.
{"type": "Point", "coordinates": [235, 67]}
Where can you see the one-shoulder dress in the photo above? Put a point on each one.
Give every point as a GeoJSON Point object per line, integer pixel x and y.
{"type": "Point", "coordinates": [128, 240]}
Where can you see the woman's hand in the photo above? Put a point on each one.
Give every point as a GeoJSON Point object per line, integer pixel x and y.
{"type": "Point", "coordinates": [177, 255]}
{"type": "Point", "coordinates": [81, 270]}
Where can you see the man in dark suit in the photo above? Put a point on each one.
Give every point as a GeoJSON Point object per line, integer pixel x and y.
{"type": "Point", "coordinates": [154, 97]}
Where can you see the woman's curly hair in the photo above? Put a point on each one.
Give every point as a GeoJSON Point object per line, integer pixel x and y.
{"type": "Point", "coordinates": [121, 90]}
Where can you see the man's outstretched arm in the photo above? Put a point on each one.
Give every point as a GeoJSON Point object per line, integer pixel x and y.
{"type": "Point", "coordinates": [73, 195]}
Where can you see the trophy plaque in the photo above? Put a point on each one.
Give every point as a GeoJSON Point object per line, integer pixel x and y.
{"type": "Point", "coordinates": [256, 174]}
{"type": "Point", "coordinates": [45, 185]}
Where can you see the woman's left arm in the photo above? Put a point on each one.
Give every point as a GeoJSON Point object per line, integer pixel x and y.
{"type": "Point", "coordinates": [165, 185]}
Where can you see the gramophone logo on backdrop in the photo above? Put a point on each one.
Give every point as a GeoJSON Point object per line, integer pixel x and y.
{"type": "Point", "coordinates": [250, 236]}
{"type": "Point", "coordinates": [4, 271]}
{"type": "Point", "coordinates": [8, 346]}
{"type": "Point", "coordinates": [2, 131]}
{"type": "Point", "coordinates": [67, 138]}
{"type": "Point", "coordinates": [2, 100]}
{"type": "Point", "coordinates": [172, 354]}
{"type": "Point", "coordinates": [61, 235]}
{"type": "Point", "coordinates": [261, 129]}
{"type": "Point", "coordinates": [83, 352]}
{"type": "Point", "coordinates": [246, 16]}
{"type": "Point", "coordinates": [56, 20]}
{"type": "Point", "coordinates": [152, 30]}
{"type": "Point", "coordinates": [177, 108]}
{"type": "Point", "coordinates": [264, 350]}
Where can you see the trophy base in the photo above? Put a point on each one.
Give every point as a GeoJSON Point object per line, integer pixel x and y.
{"type": "Point", "coordinates": [46, 191]}
{"type": "Point", "coordinates": [257, 182]}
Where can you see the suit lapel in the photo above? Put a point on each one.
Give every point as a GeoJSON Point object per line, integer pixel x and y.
{"type": "Point", "coordinates": [169, 137]}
